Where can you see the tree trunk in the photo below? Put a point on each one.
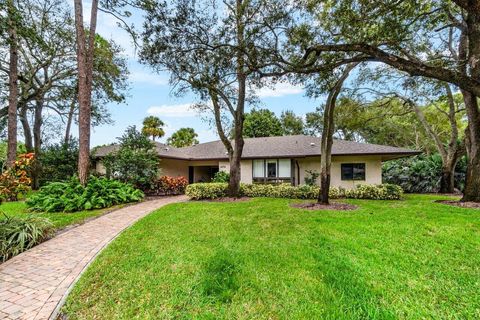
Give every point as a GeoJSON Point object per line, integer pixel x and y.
{"type": "Point", "coordinates": [447, 182]}
{"type": "Point", "coordinates": [13, 87]}
{"type": "Point", "coordinates": [37, 143]}
{"type": "Point", "coordinates": [85, 73]}
{"type": "Point", "coordinates": [68, 128]}
{"type": "Point", "coordinates": [235, 166]}
{"type": "Point", "coordinates": [327, 136]}
{"type": "Point", "coordinates": [235, 176]}
{"type": "Point", "coordinates": [472, 180]}
{"type": "Point", "coordinates": [27, 132]}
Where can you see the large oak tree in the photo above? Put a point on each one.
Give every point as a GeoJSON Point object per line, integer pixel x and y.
{"type": "Point", "coordinates": [214, 49]}
{"type": "Point", "coordinates": [437, 39]}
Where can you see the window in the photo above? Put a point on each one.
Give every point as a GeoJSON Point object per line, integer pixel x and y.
{"type": "Point", "coordinates": [353, 171]}
{"type": "Point", "coordinates": [258, 169]}
{"type": "Point", "coordinates": [271, 170]}
{"type": "Point", "coordinates": [284, 168]}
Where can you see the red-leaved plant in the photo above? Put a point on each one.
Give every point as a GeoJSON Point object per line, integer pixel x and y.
{"type": "Point", "coordinates": [16, 180]}
{"type": "Point", "coordinates": [166, 185]}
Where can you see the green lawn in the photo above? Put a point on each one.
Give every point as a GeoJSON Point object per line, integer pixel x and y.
{"type": "Point", "coordinates": [60, 220]}
{"type": "Point", "coordinates": [411, 259]}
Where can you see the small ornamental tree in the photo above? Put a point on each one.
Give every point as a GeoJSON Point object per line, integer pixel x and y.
{"type": "Point", "coordinates": [135, 161]}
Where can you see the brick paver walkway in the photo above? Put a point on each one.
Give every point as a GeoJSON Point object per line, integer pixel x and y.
{"type": "Point", "coordinates": [34, 284]}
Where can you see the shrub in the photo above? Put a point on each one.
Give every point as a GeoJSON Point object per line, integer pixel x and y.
{"type": "Point", "coordinates": [20, 234]}
{"type": "Point", "coordinates": [311, 177]}
{"type": "Point", "coordinates": [421, 174]}
{"type": "Point", "coordinates": [58, 162]}
{"type": "Point", "coordinates": [136, 161]}
{"type": "Point", "coordinates": [376, 192]}
{"type": "Point", "coordinates": [200, 191]}
{"type": "Point", "coordinates": [16, 181]}
{"type": "Point", "coordinates": [72, 196]}
{"type": "Point", "coordinates": [221, 176]}
{"type": "Point", "coordinates": [168, 185]}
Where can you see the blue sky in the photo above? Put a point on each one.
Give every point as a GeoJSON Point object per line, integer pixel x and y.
{"type": "Point", "coordinates": [150, 94]}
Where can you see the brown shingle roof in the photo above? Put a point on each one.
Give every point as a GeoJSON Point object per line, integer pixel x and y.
{"type": "Point", "coordinates": [270, 147]}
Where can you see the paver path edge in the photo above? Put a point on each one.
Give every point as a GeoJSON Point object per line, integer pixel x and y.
{"type": "Point", "coordinates": [35, 284]}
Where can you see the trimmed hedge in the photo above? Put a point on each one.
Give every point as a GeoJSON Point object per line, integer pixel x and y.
{"type": "Point", "coordinates": [203, 190]}
{"type": "Point", "coordinates": [375, 192]}
{"type": "Point", "coordinates": [200, 191]}
{"type": "Point", "coordinates": [285, 190]}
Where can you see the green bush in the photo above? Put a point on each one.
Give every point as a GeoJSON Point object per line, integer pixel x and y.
{"type": "Point", "coordinates": [136, 161]}
{"type": "Point", "coordinates": [199, 191]}
{"type": "Point", "coordinates": [20, 234]}
{"type": "Point", "coordinates": [311, 177]}
{"type": "Point", "coordinates": [72, 196]}
{"type": "Point", "coordinates": [58, 162]}
{"type": "Point", "coordinates": [376, 192]}
{"type": "Point", "coordinates": [421, 174]}
{"type": "Point", "coordinates": [221, 176]}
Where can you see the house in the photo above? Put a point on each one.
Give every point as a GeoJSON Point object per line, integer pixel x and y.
{"type": "Point", "coordinates": [275, 159]}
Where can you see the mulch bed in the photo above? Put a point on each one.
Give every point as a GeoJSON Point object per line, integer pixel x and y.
{"type": "Point", "coordinates": [455, 203]}
{"type": "Point", "coordinates": [331, 206]}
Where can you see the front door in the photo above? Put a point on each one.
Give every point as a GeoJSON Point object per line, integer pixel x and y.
{"type": "Point", "coordinates": [190, 174]}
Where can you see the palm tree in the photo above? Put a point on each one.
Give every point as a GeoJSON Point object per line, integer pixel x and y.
{"type": "Point", "coordinates": [152, 127]}
{"type": "Point", "coordinates": [184, 137]}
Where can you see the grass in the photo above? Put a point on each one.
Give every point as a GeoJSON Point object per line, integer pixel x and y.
{"type": "Point", "coordinates": [411, 259]}
{"type": "Point", "coordinates": [60, 220]}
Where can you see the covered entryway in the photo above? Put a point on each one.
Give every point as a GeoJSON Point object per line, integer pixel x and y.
{"type": "Point", "coordinates": [201, 173]}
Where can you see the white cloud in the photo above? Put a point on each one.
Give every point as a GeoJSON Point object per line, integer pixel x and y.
{"type": "Point", "coordinates": [145, 77]}
{"type": "Point", "coordinates": [279, 90]}
{"type": "Point", "coordinates": [173, 110]}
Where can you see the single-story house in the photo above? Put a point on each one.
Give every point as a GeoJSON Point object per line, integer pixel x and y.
{"type": "Point", "coordinates": [274, 159]}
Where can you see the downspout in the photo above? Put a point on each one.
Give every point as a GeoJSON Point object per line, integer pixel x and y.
{"type": "Point", "coordinates": [298, 172]}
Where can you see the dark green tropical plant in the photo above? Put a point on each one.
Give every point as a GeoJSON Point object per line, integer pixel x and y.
{"type": "Point", "coordinates": [421, 174]}
{"type": "Point", "coordinates": [71, 196]}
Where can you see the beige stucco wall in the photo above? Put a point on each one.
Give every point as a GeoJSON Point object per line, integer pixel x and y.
{"type": "Point", "coordinates": [173, 168]}
{"type": "Point", "coordinates": [100, 168]}
{"type": "Point", "coordinates": [245, 169]}
{"type": "Point", "coordinates": [312, 163]}
{"type": "Point", "coordinates": [373, 169]}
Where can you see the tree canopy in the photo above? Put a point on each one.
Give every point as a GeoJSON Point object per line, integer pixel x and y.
{"type": "Point", "coordinates": [153, 127]}
{"type": "Point", "coordinates": [183, 137]}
